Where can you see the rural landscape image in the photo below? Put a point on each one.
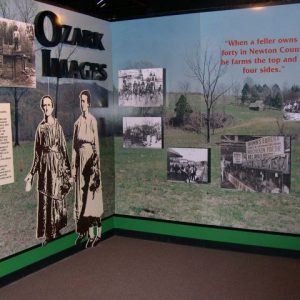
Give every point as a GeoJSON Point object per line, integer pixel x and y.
{"type": "Point", "coordinates": [208, 97]}
{"type": "Point", "coordinates": [207, 100]}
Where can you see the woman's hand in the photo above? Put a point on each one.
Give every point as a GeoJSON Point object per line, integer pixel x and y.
{"type": "Point", "coordinates": [28, 177]}
{"type": "Point", "coordinates": [28, 180]}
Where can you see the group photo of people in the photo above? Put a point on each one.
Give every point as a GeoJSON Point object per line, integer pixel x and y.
{"type": "Point", "coordinates": [291, 111]}
{"type": "Point", "coordinates": [141, 87]}
{"type": "Point", "coordinates": [256, 164]}
{"type": "Point", "coordinates": [142, 132]}
{"type": "Point", "coordinates": [189, 165]}
{"type": "Point", "coordinates": [58, 172]}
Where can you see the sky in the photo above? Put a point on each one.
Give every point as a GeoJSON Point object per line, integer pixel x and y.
{"type": "Point", "coordinates": [138, 121]}
{"type": "Point", "coordinates": [167, 41]}
{"type": "Point", "coordinates": [192, 154]}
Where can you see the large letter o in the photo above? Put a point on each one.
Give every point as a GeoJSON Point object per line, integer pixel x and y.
{"type": "Point", "coordinates": [39, 28]}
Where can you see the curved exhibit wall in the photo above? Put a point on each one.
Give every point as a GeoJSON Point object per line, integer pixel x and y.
{"type": "Point", "coordinates": [44, 207]}
{"type": "Point", "coordinates": [232, 89]}
{"type": "Point", "coordinates": [198, 122]}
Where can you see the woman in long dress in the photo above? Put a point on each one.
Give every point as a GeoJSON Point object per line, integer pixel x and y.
{"type": "Point", "coordinates": [51, 164]}
{"type": "Point", "coordinates": [87, 176]}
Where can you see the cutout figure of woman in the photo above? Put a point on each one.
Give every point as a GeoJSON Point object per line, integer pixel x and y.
{"type": "Point", "coordinates": [87, 176]}
{"type": "Point", "coordinates": [51, 164]}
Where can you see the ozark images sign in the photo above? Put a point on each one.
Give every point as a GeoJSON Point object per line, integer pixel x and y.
{"type": "Point", "coordinates": [55, 67]}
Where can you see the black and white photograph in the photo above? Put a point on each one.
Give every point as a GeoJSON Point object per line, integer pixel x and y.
{"type": "Point", "coordinates": [17, 59]}
{"type": "Point", "coordinates": [190, 165]}
{"type": "Point", "coordinates": [291, 111]}
{"type": "Point", "coordinates": [86, 171]}
{"type": "Point", "coordinates": [142, 132]}
{"type": "Point", "coordinates": [256, 163]}
{"type": "Point", "coordinates": [52, 167]}
{"type": "Point", "coordinates": [141, 87]}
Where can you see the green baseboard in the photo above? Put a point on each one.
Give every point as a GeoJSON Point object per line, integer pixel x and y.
{"type": "Point", "coordinates": [38, 253]}
{"type": "Point", "coordinates": [195, 232]}
{"type": "Point", "coordinates": [215, 234]}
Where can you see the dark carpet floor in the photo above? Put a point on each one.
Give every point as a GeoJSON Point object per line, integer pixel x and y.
{"type": "Point", "coordinates": [127, 268]}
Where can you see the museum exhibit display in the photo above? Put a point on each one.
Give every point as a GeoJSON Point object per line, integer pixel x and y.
{"type": "Point", "coordinates": [183, 125]}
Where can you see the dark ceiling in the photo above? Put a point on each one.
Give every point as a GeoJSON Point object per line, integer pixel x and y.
{"type": "Point", "coordinates": [117, 10]}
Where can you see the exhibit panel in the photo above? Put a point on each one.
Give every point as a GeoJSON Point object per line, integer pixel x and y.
{"type": "Point", "coordinates": [232, 87]}
{"type": "Point", "coordinates": [55, 83]}
{"type": "Point", "coordinates": [183, 126]}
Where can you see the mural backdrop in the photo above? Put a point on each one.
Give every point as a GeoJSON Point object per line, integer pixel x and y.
{"type": "Point", "coordinates": [223, 86]}
{"type": "Point", "coordinates": [232, 86]}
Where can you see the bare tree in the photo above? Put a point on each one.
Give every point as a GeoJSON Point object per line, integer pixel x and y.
{"type": "Point", "coordinates": [207, 70]}
{"type": "Point", "coordinates": [6, 10]}
{"type": "Point", "coordinates": [26, 10]}
{"type": "Point", "coordinates": [59, 50]}
{"type": "Point", "coordinates": [17, 94]}
{"type": "Point", "coordinates": [184, 87]}
{"type": "Point", "coordinates": [236, 88]}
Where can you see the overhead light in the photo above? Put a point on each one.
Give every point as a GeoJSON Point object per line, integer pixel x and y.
{"type": "Point", "coordinates": [58, 20]}
{"type": "Point", "coordinates": [258, 7]}
{"type": "Point", "coordinates": [102, 3]}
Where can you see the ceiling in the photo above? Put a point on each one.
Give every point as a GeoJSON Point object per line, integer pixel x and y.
{"type": "Point", "coordinates": [117, 10]}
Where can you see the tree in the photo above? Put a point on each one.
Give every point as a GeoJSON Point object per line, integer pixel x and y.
{"type": "Point", "coordinates": [295, 89]}
{"type": "Point", "coordinates": [207, 70]}
{"type": "Point", "coordinates": [295, 92]}
{"type": "Point", "coordinates": [277, 100]}
{"type": "Point", "coordinates": [182, 110]}
{"type": "Point", "coordinates": [17, 94]}
{"type": "Point", "coordinates": [266, 92]}
{"type": "Point", "coordinates": [59, 51]}
{"type": "Point", "coordinates": [276, 96]}
{"type": "Point", "coordinates": [26, 10]}
{"type": "Point", "coordinates": [184, 87]}
{"type": "Point", "coordinates": [235, 88]}
{"type": "Point", "coordinates": [6, 11]}
{"type": "Point", "coordinates": [245, 93]}
{"type": "Point", "coordinates": [254, 93]}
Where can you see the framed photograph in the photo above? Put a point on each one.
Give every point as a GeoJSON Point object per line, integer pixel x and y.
{"type": "Point", "coordinates": [141, 87]}
{"type": "Point", "coordinates": [17, 60]}
{"type": "Point", "coordinates": [256, 163]}
{"type": "Point", "coordinates": [291, 110]}
{"type": "Point", "coordinates": [142, 132]}
{"type": "Point", "coordinates": [190, 165]}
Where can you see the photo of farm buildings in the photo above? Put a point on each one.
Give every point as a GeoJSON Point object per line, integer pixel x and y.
{"type": "Point", "coordinates": [17, 59]}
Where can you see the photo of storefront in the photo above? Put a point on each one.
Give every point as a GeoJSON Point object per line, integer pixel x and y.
{"type": "Point", "coordinates": [256, 164]}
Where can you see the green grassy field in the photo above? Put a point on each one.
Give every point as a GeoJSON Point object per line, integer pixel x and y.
{"type": "Point", "coordinates": [142, 188]}
{"type": "Point", "coordinates": [135, 183]}
{"type": "Point", "coordinates": [18, 208]}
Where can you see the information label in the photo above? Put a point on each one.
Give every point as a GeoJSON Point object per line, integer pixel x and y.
{"type": "Point", "coordinates": [6, 153]}
{"type": "Point", "coordinates": [265, 147]}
